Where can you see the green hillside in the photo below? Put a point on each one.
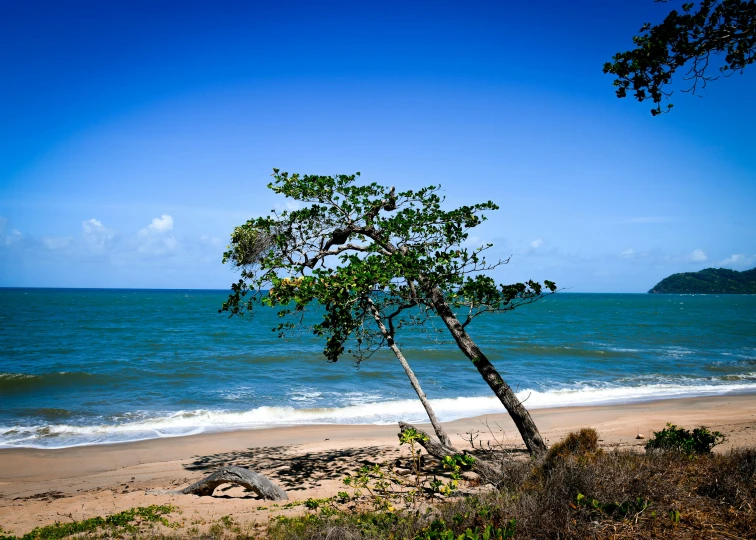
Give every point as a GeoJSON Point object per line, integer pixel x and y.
{"type": "Point", "coordinates": [708, 281]}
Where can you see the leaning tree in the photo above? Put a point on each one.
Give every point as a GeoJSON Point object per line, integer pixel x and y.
{"type": "Point", "coordinates": [719, 34]}
{"type": "Point", "coordinates": [376, 261]}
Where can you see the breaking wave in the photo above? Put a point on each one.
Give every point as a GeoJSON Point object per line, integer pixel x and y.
{"type": "Point", "coordinates": [141, 425]}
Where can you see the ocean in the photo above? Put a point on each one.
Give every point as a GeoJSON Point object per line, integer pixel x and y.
{"type": "Point", "coordinates": [91, 366]}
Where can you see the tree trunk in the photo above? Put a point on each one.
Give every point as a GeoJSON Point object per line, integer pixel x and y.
{"type": "Point", "coordinates": [442, 436]}
{"type": "Point", "coordinates": [519, 414]}
{"type": "Point", "coordinates": [240, 476]}
{"type": "Point", "coordinates": [485, 470]}
{"type": "Point", "coordinates": [508, 398]}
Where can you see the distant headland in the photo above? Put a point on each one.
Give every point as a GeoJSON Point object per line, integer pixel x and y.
{"type": "Point", "coordinates": [708, 281]}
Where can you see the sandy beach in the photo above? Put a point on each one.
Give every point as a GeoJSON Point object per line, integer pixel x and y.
{"type": "Point", "coordinates": [40, 487]}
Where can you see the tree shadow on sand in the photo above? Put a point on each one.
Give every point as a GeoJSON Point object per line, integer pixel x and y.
{"type": "Point", "coordinates": [294, 470]}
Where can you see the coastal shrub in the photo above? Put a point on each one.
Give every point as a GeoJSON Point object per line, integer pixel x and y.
{"type": "Point", "coordinates": [698, 441]}
{"type": "Point", "coordinates": [466, 518]}
{"type": "Point", "coordinates": [617, 494]}
{"type": "Point", "coordinates": [388, 487]}
{"type": "Point", "coordinates": [123, 520]}
{"type": "Point", "coordinates": [581, 445]}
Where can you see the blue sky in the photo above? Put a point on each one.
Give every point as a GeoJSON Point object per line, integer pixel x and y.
{"type": "Point", "coordinates": [136, 135]}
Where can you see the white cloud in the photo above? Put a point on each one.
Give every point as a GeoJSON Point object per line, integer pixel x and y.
{"type": "Point", "coordinates": [160, 225]}
{"type": "Point", "coordinates": [535, 244]}
{"type": "Point", "coordinates": [698, 255]}
{"type": "Point", "coordinates": [96, 234]}
{"type": "Point", "coordinates": [627, 254]}
{"type": "Point", "coordinates": [156, 238]}
{"type": "Point", "coordinates": [738, 260]}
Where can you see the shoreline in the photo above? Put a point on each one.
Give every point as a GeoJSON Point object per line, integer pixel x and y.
{"type": "Point", "coordinates": [37, 486]}
{"type": "Point", "coordinates": [203, 430]}
{"type": "Point", "coordinates": [230, 435]}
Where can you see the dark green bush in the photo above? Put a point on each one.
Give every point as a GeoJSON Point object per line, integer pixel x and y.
{"type": "Point", "coordinates": [698, 441]}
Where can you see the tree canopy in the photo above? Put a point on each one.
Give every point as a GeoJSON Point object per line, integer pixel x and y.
{"type": "Point", "coordinates": [692, 39]}
{"type": "Point", "coordinates": [390, 250]}
{"type": "Point", "coordinates": [366, 254]}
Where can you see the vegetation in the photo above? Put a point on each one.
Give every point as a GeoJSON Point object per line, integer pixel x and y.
{"type": "Point", "coordinates": [387, 488]}
{"type": "Point", "coordinates": [579, 493]}
{"type": "Point", "coordinates": [699, 441]}
{"type": "Point", "coordinates": [575, 491]}
{"type": "Point", "coordinates": [688, 39]}
{"type": "Point", "coordinates": [117, 524]}
{"type": "Point", "coordinates": [376, 261]}
{"type": "Point", "coordinates": [583, 443]}
{"type": "Point", "coordinates": [709, 281]}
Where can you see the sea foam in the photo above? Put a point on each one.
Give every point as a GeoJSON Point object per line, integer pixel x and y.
{"type": "Point", "coordinates": [190, 422]}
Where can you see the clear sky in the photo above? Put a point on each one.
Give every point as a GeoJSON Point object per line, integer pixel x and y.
{"type": "Point", "coordinates": [135, 135]}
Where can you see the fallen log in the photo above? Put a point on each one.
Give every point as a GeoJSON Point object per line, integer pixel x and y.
{"type": "Point", "coordinates": [488, 472]}
{"type": "Point", "coordinates": [239, 476]}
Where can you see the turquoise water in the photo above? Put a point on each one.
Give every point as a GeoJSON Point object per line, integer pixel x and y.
{"type": "Point", "coordinates": [96, 366]}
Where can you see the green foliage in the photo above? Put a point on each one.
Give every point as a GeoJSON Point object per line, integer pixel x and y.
{"type": "Point", "coordinates": [454, 464]}
{"type": "Point", "coordinates": [687, 38]}
{"type": "Point", "coordinates": [248, 244]}
{"type": "Point", "coordinates": [387, 489]}
{"type": "Point", "coordinates": [124, 520]}
{"type": "Point", "coordinates": [327, 506]}
{"type": "Point", "coordinates": [478, 521]}
{"type": "Point", "coordinates": [438, 530]}
{"type": "Point", "coordinates": [628, 508]}
{"type": "Point", "coordinates": [312, 504]}
{"type": "Point", "coordinates": [708, 281]}
{"type": "Point", "coordinates": [411, 436]}
{"type": "Point", "coordinates": [361, 251]}
{"type": "Point", "coordinates": [699, 441]}
{"type": "Point", "coordinates": [380, 484]}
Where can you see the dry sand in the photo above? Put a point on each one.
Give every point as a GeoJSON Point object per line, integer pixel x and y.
{"type": "Point", "coordinates": [40, 487]}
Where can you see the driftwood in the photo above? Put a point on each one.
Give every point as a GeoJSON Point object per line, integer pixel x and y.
{"type": "Point", "coordinates": [233, 475]}
{"type": "Point", "coordinates": [488, 472]}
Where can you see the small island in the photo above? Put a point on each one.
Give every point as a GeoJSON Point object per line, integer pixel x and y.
{"type": "Point", "coordinates": [708, 281]}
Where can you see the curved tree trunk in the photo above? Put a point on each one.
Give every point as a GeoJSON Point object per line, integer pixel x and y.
{"type": "Point", "coordinates": [442, 436]}
{"type": "Point", "coordinates": [519, 414]}
{"type": "Point", "coordinates": [240, 476]}
{"type": "Point", "coordinates": [506, 395]}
